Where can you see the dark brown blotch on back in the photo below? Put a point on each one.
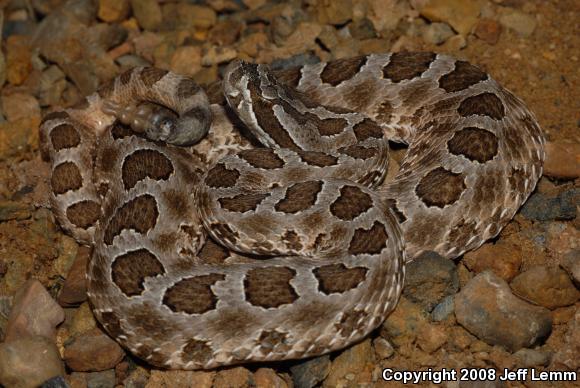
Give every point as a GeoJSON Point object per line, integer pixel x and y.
{"type": "Point", "coordinates": [337, 278]}
{"type": "Point", "coordinates": [145, 163]}
{"type": "Point", "coordinates": [358, 152]}
{"type": "Point", "coordinates": [220, 176]}
{"type": "Point", "coordinates": [331, 126]}
{"type": "Point", "coordinates": [270, 287]}
{"type": "Point", "coordinates": [371, 241]}
{"type": "Point", "coordinates": [64, 136]}
{"type": "Point", "coordinates": [84, 213]}
{"type": "Point", "coordinates": [264, 158]}
{"type": "Point", "coordinates": [319, 159]}
{"type": "Point", "coordinates": [407, 65]}
{"type": "Point", "coordinates": [65, 177]}
{"type": "Point", "coordinates": [196, 351]}
{"type": "Point", "coordinates": [299, 197]}
{"type": "Point", "coordinates": [187, 88]}
{"type": "Point", "coordinates": [463, 76]}
{"type": "Point", "coordinates": [351, 203]}
{"type": "Point", "coordinates": [150, 75]}
{"type": "Point", "coordinates": [193, 295]}
{"type": "Point", "coordinates": [139, 214]}
{"type": "Point", "coordinates": [367, 129]}
{"type": "Point", "coordinates": [484, 104]}
{"type": "Point", "coordinates": [341, 70]}
{"type": "Point", "coordinates": [440, 187]}
{"type": "Point", "coordinates": [243, 202]}
{"type": "Point", "coordinates": [130, 270]}
{"type": "Point", "coordinates": [290, 77]}
{"type": "Point", "coordinates": [475, 144]}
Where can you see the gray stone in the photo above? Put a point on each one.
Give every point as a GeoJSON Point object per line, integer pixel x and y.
{"type": "Point", "coordinates": [444, 309]}
{"type": "Point", "coordinates": [430, 278]}
{"type": "Point", "coordinates": [307, 374]}
{"type": "Point", "coordinates": [544, 207]}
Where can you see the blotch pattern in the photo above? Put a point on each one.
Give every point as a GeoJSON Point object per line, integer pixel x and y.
{"type": "Point", "coordinates": [270, 287]}
{"type": "Point", "coordinates": [440, 187]}
{"type": "Point", "coordinates": [337, 278]}
{"type": "Point", "coordinates": [299, 197]}
{"type": "Point", "coordinates": [407, 65]}
{"type": "Point", "coordinates": [484, 104]}
{"type": "Point", "coordinates": [130, 270]}
{"type": "Point", "coordinates": [351, 203]}
{"type": "Point", "coordinates": [475, 144]}
{"type": "Point", "coordinates": [369, 241]}
{"type": "Point", "coordinates": [139, 214]}
{"type": "Point", "coordinates": [66, 177]}
{"type": "Point", "coordinates": [145, 163]}
{"type": "Point", "coordinates": [193, 295]}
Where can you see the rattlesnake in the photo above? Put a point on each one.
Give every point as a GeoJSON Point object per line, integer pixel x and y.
{"type": "Point", "coordinates": [226, 252]}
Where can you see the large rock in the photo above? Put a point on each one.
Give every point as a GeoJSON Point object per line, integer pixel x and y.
{"type": "Point", "coordinates": [487, 308]}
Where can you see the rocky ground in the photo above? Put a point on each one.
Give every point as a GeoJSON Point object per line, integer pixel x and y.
{"type": "Point", "coordinates": [513, 303]}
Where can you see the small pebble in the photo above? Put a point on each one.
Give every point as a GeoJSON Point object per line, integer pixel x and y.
{"type": "Point", "coordinates": [431, 338]}
{"type": "Point", "coordinates": [444, 309]}
{"type": "Point", "coordinates": [92, 351]}
{"type": "Point", "coordinates": [112, 11]}
{"type": "Point", "coordinates": [487, 308]}
{"type": "Point", "coordinates": [29, 362]}
{"type": "Point", "coordinates": [437, 33]}
{"type": "Point", "coordinates": [74, 290]}
{"type": "Point", "coordinates": [503, 258]}
{"type": "Point", "coordinates": [147, 13]}
{"type": "Point", "coordinates": [562, 160]}
{"type": "Point", "coordinates": [488, 30]}
{"type": "Point", "coordinates": [520, 22]}
{"type": "Point", "coordinates": [459, 14]}
{"type": "Point", "coordinates": [383, 348]}
{"type": "Point", "coordinates": [547, 286]}
{"type": "Point", "coordinates": [529, 358]}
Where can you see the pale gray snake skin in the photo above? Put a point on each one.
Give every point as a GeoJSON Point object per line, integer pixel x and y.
{"type": "Point", "coordinates": [226, 252]}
